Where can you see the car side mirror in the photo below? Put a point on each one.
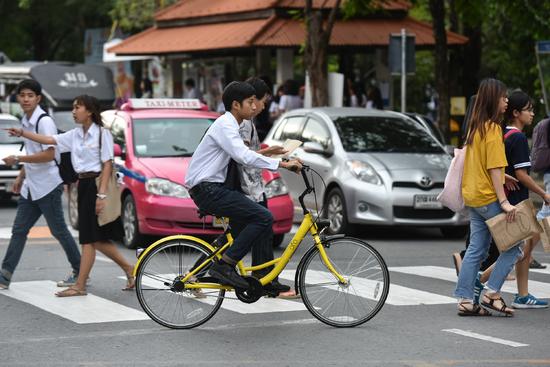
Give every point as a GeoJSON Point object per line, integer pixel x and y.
{"type": "Point", "coordinates": [316, 148]}
{"type": "Point", "coordinates": [118, 151]}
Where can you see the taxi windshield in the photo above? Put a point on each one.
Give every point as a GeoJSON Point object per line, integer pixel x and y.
{"type": "Point", "coordinates": [168, 137]}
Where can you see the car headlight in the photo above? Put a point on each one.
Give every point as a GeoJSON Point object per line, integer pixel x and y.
{"type": "Point", "coordinates": [162, 187]}
{"type": "Point", "coordinates": [364, 172]}
{"type": "Point", "coordinates": [275, 187]}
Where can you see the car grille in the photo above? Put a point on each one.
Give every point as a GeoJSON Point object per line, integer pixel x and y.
{"type": "Point", "coordinates": [407, 212]}
{"type": "Point", "coordinates": [415, 185]}
{"type": "Point", "coordinates": [3, 167]}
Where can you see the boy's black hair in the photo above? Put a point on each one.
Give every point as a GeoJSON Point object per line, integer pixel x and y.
{"type": "Point", "coordinates": [190, 83]}
{"type": "Point", "coordinates": [259, 86]}
{"type": "Point", "coordinates": [29, 84]}
{"type": "Point", "coordinates": [236, 91]}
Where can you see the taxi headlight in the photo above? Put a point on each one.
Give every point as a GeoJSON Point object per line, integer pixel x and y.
{"type": "Point", "coordinates": [275, 187]}
{"type": "Point", "coordinates": [163, 187]}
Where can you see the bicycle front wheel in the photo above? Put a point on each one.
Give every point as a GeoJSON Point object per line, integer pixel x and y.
{"type": "Point", "coordinates": [354, 301]}
{"type": "Point", "coordinates": [161, 294]}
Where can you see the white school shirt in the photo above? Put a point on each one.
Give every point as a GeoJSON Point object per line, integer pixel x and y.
{"type": "Point", "coordinates": [84, 148]}
{"type": "Point", "coordinates": [222, 142]}
{"type": "Point", "coordinates": [40, 178]}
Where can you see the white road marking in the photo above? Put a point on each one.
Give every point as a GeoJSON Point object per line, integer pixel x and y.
{"type": "Point", "coordinates": [539, 289]}
{"type": "Point", "coordinates": [486, 338]}
{"type": "Point", "coordinates": [5, 233]}
{"type": "Point", "coordinates": [398, 295]}
{"type": "Point", "coordinates": [542, 271]}
{"type": "Point", "coordinates": [82, 310]}
{"type": "Point", "coordinates": [263, 305]}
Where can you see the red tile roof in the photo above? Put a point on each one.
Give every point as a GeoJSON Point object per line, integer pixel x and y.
{"type": "Point", "coordinates": [272, 32]}
{"type": "Point", "coordinates": [203, 8]}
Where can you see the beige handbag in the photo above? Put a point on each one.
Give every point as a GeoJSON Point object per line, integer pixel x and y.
{"type": "Point", "coordinates": [507, 235]}
{"type": "Point", "coordinates": [111, 210]}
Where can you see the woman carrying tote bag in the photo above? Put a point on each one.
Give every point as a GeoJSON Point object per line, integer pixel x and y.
{"type": "Point", "coordinates": [91, 158]}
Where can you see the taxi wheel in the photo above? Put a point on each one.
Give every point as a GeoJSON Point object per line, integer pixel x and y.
{"type": "Point", "coordinates": [132, 237]}
{"type": "Point", "coordinates": [335, 211]}
{"type": "Point", "coordinates": [73, 205]}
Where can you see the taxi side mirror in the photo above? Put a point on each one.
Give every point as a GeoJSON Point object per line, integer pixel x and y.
{"type": "Point", "coordinates": [118, 151]}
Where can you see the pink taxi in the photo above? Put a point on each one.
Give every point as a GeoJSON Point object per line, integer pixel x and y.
{"type": "Point", "coordinates": [156, 139]}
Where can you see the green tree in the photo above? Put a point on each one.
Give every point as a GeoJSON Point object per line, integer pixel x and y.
{"type": "Point", "coordinates": [135, 15]}
{"type": "Point", "coordinates": [49, 29]}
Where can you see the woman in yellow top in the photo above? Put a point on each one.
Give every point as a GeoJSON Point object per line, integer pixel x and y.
{"type": "Point", "coordinates": [483, 192]}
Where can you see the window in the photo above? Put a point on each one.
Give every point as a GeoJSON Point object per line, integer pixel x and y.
{"type": "Point", "coordinates": [292, 128]}
{"type": "Point", "coordinates": [317, 132]}
{"type": "Point", "coordinates": [168, 137]}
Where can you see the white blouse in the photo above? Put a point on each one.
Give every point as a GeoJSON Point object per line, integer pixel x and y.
{"type": "Point", "coordinates": [84, 148]}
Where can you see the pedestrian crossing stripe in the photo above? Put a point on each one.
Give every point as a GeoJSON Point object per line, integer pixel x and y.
{"type": "Point", "coordinates": [541, 289]}
{"type": "Point", "coordinates": [94, 309]}
{"type": "Point", "coordinates": [81, 310]}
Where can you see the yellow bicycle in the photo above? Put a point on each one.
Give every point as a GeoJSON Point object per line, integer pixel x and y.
{"type": "Point", "coordinates": [343, 281]}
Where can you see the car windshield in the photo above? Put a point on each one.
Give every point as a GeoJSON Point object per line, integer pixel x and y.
{"type": "Point", "coordinates": [64, 120]}
{"type": "Point", "coordinates": [384, 134]}
{"type": "Point", "coordinates": [4, 136]}
{"type": "Point", "coordinates": [168, 137]}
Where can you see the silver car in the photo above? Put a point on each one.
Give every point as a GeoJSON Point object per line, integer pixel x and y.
{"type": "Point", "coordinates": [379, 167]}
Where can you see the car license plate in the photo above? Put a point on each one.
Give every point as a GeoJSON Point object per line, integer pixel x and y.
{"type": "Point", "coordinates": [427, 202]}
{"type": "Point", "coordinates": [219, 222]}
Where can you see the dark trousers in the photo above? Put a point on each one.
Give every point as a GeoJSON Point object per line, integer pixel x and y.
{"type": "Point", "coordinates": [262, 251]}
{"type": "Point", "coordinates": [215, 198]}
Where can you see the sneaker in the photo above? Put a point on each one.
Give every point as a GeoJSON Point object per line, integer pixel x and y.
{"type": "Point", "coordinates": [534, 264]}
{"type": "Point", "coordinates": [71, 280]}
{"type": "Point", "coordinates": [227, 274]}
{"type": "Point", "coordinates": [457, 261]}
{"type": "Point", "coordinates": [4, 283]}
{"type": "Point", "coordinates": [478, 288]}
{"type": "Point", "coordinates": [529, 301]}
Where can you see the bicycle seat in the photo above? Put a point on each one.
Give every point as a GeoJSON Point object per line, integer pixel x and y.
{"type": "Point", "coordinates": [323, 222]}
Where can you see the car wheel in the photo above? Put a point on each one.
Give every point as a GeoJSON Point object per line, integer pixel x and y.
{"type": "Point", "coordinates": [457, 232]}
{"type": "Point", "coordinates": [278, 240]}
{"type": "Point", "coordinates": [132, 237]}
{"type": "Point", "coordinates": [335, 211]}
{"type": "Point", "coordinates": [73, 205]}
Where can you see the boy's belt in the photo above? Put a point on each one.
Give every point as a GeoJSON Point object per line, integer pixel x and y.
{"type": "Point", "coordinates": [88, 175]}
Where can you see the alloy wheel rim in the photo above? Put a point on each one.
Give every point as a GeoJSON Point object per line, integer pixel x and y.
{"type": "Point", "coordinates": [335, 213]}
{"type": "Point", "coordinates": [129, 222]}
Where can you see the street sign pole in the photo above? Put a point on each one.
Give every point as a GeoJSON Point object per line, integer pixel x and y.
{"type": "Point", "coordinates": [403, 70]}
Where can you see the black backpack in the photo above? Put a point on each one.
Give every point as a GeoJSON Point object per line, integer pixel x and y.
{"type": "Point", "coordinates": [65, 165]}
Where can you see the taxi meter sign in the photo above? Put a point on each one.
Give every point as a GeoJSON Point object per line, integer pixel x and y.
{"type": "Point", "coordinates": [151, 103]}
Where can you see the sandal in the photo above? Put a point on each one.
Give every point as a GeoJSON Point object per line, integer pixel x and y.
{"type": "Point", "coordinates": [71, 292]}
{"type": "Point", "coordinates": [475, 310]}
{"type": "Point", "coordinates": [502, 309]}
{"type": "Point", "coordinates": [130, 283]}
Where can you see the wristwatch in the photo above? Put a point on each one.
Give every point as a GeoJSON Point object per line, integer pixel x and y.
{"type": "Point", "coordinates": [101, 196]}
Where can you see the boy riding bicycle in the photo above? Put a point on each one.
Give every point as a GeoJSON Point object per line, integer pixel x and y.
{"type": "Point", "coordinates": [207, 173]}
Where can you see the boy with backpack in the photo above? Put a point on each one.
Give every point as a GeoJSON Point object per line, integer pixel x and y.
{"type": "Point", "coordinates": [40, 187]}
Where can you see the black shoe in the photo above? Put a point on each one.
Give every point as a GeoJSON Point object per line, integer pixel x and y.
{"type": "Point", "coordinates": [534, 264]}
{"type": "Point", "coordinates": [276, 287]}
{"type": "Point", "coordinates": [227, 275]}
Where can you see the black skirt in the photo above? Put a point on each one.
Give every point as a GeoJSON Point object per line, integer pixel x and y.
{"type": "Point", "coordinates": [89, 230]}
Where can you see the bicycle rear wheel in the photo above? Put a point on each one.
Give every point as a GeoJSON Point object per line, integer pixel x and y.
{"type": "Point", "coordinates": [160, 293]}
{"type": "Point", "coordinates": [357, 301]}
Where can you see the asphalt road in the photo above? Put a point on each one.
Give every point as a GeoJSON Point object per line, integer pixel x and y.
{"type": "Point", "coordinates": [418, 326]}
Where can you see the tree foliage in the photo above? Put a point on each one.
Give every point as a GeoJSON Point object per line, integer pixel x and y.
{"type": "Point", "coordinates": [135, 15]}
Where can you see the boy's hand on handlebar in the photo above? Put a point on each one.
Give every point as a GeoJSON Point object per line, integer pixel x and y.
{"type": "Point", "coordinates": [294, 165]}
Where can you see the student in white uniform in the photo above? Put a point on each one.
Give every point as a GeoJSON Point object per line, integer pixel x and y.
{"type": "Point", "coordinates": [89, 161]}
